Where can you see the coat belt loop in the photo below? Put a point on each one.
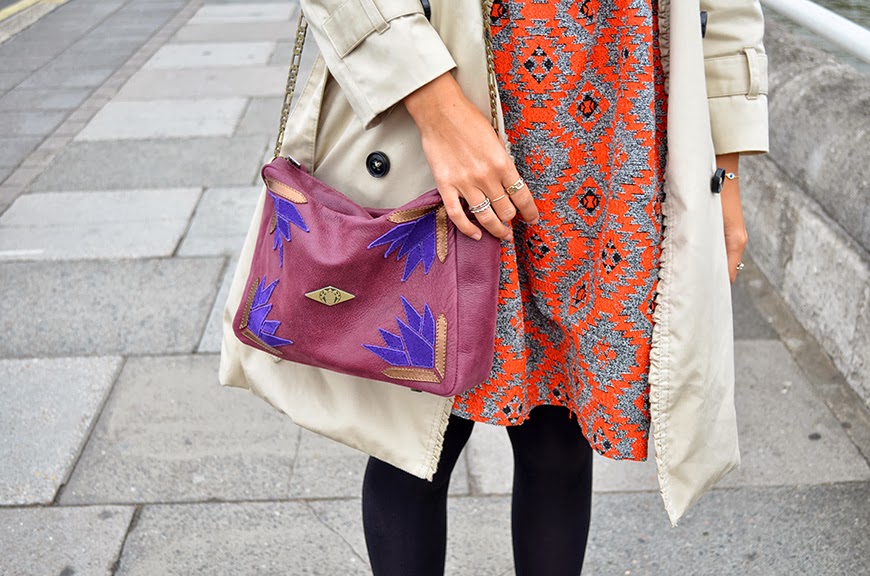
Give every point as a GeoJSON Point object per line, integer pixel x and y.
{"type": "Point", "coordinates": [754, 84]}
{"type": "Point", "coordinates": [375, 17]}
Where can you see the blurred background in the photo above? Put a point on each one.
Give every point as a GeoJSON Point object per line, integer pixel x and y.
{"type": "Point", "coordinates": [131, 136]}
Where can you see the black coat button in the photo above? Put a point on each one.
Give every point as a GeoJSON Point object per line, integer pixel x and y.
{"type": "Point", "coordinates": [718, 180]}
{"type": "Point", "coordinates": [378, 164]}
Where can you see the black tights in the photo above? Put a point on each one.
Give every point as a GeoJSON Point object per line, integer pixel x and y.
{"type": "Point", "coordinates": [405, 518]}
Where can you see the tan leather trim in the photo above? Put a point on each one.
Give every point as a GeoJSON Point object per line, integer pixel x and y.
{"type": "Point", "coordinates": [246, 314]}
{"type": "Point", "coordinates": [441, 344]}
{"type": "Point", "coordinates": [273, 222]}
{"type": "Point", "coordinates": [402, 216]}
{"type": "Point", "coordinates": [415, 374]}
{"type": "Point", "coordinates": [286, 192]}
{"type": "Point", "coordinates": [441, 233]}
{"type": "Point", "coordinates": [247, 332]}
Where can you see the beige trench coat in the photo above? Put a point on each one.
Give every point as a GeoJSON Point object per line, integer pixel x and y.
{"type": "Point", "coordinates": [374, 53]}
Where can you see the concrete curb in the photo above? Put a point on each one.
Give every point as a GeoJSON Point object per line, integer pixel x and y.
{"type": "Point", "coordinates": [806, 202]}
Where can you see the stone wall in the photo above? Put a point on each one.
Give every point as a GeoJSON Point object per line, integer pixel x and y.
{"type": "Point", "coordinates": [807, 203]}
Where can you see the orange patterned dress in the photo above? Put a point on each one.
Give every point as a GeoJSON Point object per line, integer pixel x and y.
{"type": "Point", "coordinates": [583, 98]}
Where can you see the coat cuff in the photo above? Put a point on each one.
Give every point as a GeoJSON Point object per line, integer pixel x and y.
{"type": "Point", "coordinates": [378, 52]}
{"type": "Point", "coordinates": [739, 124]}
{"type": "Point", "coordinates": [737, 96]}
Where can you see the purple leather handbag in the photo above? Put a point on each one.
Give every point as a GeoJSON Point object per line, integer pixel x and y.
{"type": "Point", "coordinates": [392, 295]}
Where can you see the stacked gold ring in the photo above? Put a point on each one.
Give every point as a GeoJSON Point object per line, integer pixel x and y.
{"type": "Point", "coordinates": [477, 208]}
{"type": "Point", "coordinates": [515, 187]}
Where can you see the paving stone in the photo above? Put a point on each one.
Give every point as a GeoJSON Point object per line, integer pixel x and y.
{"type": "Point", "coordinates": [221, 221]}
{"type": "Point", "coordinates": [155, 164]}
{"type": "Point", "coordinates": [14, 150]}
{"type": "Point", "coordinates": [148, 6]}
{"type": "Point", "coordinates": [283, 54]}
{"type": "Point", "coordinates": [138, 19]}
{"type": "Point", "coordinates": [261, 117]}
{"type": "Point", "coordinates": [252, 539]}
{"type": "Point", "coordinates": [748, 531]}
{"type": "Point", "coordinates": [490, 460]}
{"type": "Point", "coordinates": [108, 59]}
{"type": "Point", "coordinates": [47, 411]}
{"type": "Point", "coordinates": [211, 54]}
{"type": "Point", "coordinates": [787, 434]}
{"type": "Point", "coordinates": [624, 475]}
{"type": "Point", "coordinates": [237, 13]}
{"type": "Point", "coordinates": [326, 469]}
{"type": "Point", "coordinates": [11, 78]}
{"type": "Point", "coordinates": [113, 43]}
{"type": "Point", "coordinates": [752, 531]}
{"type": "Point", "coordinates": [213, 333]}
{"type": "Point", "coordinates": [344, 517]}
{"type": "Point", "coordinates": [24, 123]}
{"type": "Point", "coordinates": [67, 541]}
{"type": "Point", "coordinates": [23, 65]}
{"type": "Point", "coordinates": [249, 81]}
{"type": "Point", "coordinates": [478, 533]}
{"type": "Point", "coordinates": [56, 77]}
{"type": "Point", "coordinates": [171, 433]}
{"type": "Point", "coordinates": [4, 173]}
{"type": "Point", "coordinates": [121, 224]}
{"type": "Point", "coordinates": [749, 324]}
{"type": "Point", "coordinates": [164, 119]}
{"type": "Point", "coordinates": [105, 307]}
{"type": "Point", "coordinates": [479, 537]}
{"type": "Point", "coordinates": [31, 48]}
{"type": "Point", "coordinates": [43, 99]}
{"type": "Point", "coordinates": [233, 32]}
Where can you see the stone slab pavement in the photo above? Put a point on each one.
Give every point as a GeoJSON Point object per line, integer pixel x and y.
{"type": "Point", "coordinates": [131, 135]}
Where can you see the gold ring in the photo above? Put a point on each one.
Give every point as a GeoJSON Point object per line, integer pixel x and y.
{"type": "Point", "coordinates": [515, 187]}
{"type": "Point", "coordinates": [499, 198]}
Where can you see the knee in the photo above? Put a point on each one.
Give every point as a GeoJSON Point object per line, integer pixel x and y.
{"type": "Point", "coordinates": [550, 442]}
{"type": "Point", "coordinates": [555, 457]}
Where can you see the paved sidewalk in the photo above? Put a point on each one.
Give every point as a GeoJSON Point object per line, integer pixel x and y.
{"type": "Point", "coordinates": [131, 135]}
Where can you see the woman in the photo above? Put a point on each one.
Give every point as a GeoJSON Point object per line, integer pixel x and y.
{"type": "Point", "coordinates": [615, 304]}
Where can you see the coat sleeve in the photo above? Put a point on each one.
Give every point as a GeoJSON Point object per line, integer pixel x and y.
{"type": "Point", "coordinates": [736, 71]}
{"type": "Point", "coordinates": [378, 51]}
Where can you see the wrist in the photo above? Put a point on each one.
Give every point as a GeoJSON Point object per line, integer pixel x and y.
{"type": "Point", "coordinates": [430, 103]}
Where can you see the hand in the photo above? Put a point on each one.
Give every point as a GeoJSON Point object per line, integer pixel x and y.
{"type": "Point", "coordinates": [732, 214]}
{"type": "Point", "coordinates": [467, 159]}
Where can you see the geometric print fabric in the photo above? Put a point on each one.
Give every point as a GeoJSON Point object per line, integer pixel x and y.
{"type": "Point", "coordinates": [583, 97]}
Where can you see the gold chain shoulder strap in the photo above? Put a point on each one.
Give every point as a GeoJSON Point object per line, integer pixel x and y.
{"type": "Point", "coordinates": [299, 43]}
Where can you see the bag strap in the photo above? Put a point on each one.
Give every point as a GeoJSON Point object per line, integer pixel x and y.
{"type": "Point", "coordinates": [299, 43]}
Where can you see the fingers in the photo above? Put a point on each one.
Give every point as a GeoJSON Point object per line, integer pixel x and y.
{"type": "Point", "coordinates": [487, 217]}
{"type": "Point", "coordinates": [456, 213]}
{"type": "Point", "coordinates": [735, 243]}
{"type": "Point", "coordinates": [503, 207]}
{"type": "Point", "coordinates": [520, 196]}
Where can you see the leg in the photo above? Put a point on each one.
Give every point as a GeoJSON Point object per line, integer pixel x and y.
{"type": "Point", "coordinates": [552, 493]}
{"type": "Point", "coordinates": [404, 517]}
